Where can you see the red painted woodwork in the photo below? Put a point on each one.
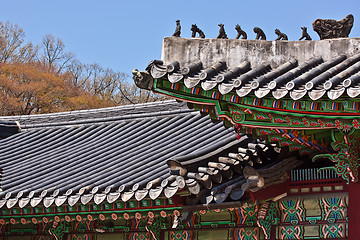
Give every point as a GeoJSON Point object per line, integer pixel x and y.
{"type": "Point", "coordinates": [178, 200]}
{"type": "Point", "coordinates": [354, 210]}
{"type": "Point", "coordinates": [270, 192]}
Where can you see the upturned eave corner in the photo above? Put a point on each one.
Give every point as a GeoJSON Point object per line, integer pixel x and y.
{"type": "Point", "coordinates": [306, 130]}
{"type": "Point", "coordinates": [142, 79]}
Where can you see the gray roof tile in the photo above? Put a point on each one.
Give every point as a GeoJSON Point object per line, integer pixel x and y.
{"type": "Point", "coordinates": [153, 151]}
{"type": "Point", "coordinates": [314, 78]}
{"type": "Point", "coordinates": [129, 147]}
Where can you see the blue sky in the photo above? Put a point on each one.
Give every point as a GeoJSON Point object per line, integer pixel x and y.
{"type": "Point", "coordinates": [124, 35]}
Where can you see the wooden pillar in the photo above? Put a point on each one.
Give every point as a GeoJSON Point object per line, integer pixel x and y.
{"type": "Point", "coordinates": [354, 210]}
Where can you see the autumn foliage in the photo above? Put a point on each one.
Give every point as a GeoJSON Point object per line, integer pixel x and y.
{"type": "Point", "coordinates": [43, 79]}
{"type": "Point", "coordinates": [28, 88]}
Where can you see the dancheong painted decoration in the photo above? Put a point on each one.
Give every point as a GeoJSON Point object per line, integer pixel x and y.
{"type": "Point", "coordinates": [260, 140]}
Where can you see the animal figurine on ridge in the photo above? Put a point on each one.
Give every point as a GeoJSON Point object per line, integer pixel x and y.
{"type": "Point", "coordinates": [240, 32]}
{"type": "Point", "coordinates": [222, 33]}
{"type": "Point", "coordinates": [281, 36]}
{"type": "Point", "coordinates": [195, 30]}
{"type": "Point", "coordinates": [260, 35]}
{"type": "Point", "coordinates": [304, 34]}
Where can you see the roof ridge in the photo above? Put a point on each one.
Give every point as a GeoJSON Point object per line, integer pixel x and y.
{"type": "Point", "coordinates": [92, 110]}
{"type": "Point", "coordinates": [95, 121]}
{"type": "Point", "coordinates": [101, 115]}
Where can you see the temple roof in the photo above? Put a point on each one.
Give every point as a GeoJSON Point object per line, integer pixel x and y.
{"type": "Point", "coordinates": [121, 153]}
{"type": "Point", "coordinates": [66, 153]}
{"type": "Point", "coordinates": [295, 93]}
{"type": "Point", "coordinates": [315, 78]}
